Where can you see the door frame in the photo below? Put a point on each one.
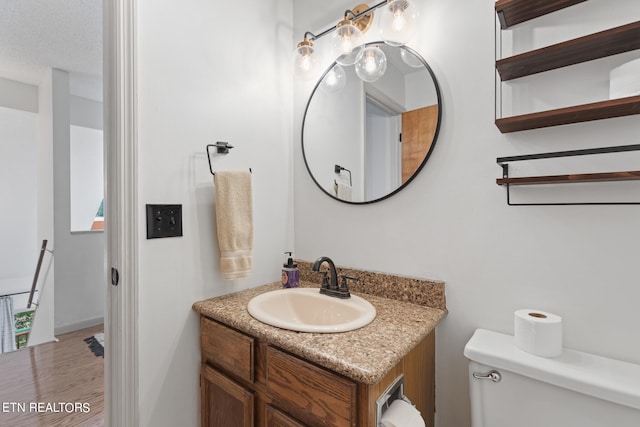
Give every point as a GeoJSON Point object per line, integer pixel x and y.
{"type": "Point", "coordinates": [121, 396]}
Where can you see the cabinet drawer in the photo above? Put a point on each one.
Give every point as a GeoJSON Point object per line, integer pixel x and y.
{"type": "Point", "coordinates": [310, 393]}
{"type": "Point", "coordinates": [228, 349]}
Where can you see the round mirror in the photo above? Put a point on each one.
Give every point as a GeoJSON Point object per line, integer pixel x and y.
{"type": "Point", "coordinates": [365, 141]}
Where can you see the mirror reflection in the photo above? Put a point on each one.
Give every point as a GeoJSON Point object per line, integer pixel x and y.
{"type": "Point", "coordinates": [364, 141]}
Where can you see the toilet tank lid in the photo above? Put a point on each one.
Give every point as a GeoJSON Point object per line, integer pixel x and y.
{"type": "Point", "coordinates": [597, 376]}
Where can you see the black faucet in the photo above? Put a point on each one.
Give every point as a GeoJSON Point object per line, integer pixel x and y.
{"type": "Point", "coordinates": [330, 287]}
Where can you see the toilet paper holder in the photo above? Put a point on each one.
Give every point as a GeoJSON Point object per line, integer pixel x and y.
{"type": "Point", "coordinates": [393, 392]}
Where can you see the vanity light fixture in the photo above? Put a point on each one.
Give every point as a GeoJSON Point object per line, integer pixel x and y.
{"type": "Point", "coordinates": [305, 61]}
{"type": "Point", "coordinates": [397, 22]}
{"type": "Point", "coordinates": [371, 64]}
{"type": "Point", "coordinates": [396, 28]}
{"type": "Point", "coordinates": [346, 42]}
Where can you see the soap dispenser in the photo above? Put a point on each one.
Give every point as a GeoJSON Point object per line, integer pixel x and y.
{"type": "Point", "coordinates": [290, 273]}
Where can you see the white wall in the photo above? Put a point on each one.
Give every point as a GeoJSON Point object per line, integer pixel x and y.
{"type": "Point", "coordinates": [85, 112]}
{"type": "Point", "coordinates": [18, 180]}
{"type": "Point", "coordinates": [42, 329]}
{"type": "Point", "coordinates": [205, 76]}
{"type": "Point", "coordinates": [18, 95]}
{"type": "Point", "coordinates": [390, 88]}
{"type": "Point", "coordinates": [452, 222]}
{"type": "Point", "coordinates": [18, 184]}
{"type": "Point", "coordinates": [27, 215]}
{"type": "Point", "coordinates": [79, 257]}
{"type": "Point", "coordinates": [418, 94]}
{"type": "Point", "coordinates": [27, 176]}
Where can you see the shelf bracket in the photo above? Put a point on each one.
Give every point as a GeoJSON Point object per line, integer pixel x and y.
{"type": "Point", "coordinates": [503, 162]}
{"type": "Point", "coordinates": [503, 20]}
{"type": "Point", "coordinates": [505, 174]}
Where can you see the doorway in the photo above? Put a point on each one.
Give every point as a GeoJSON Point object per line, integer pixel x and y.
{"type": "Point", "coordinates": [69, 55]}
{"type": "Point", "coordinates": [382, 149]}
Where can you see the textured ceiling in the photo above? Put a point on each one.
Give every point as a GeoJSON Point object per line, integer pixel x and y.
{"type": "Point", "coordinates": [64, 34]}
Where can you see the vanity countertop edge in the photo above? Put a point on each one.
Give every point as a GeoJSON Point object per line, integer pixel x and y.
{"type": "Point", "coordinates": [364, 355]}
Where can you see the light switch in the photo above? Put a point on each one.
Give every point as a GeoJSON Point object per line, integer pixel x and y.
{"type": "Point", "coordinates": [164, 221]}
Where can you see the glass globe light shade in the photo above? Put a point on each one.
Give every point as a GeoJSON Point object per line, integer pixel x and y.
{"type": "Point", "coordinates": [346, 42]}
{"type": "Point", "coordinates": [304, 60]}
{"type": "Point", "coordinates": [398, 22]}
{"type": "Point", "coordinates": [410, 59]}
{"type": "Point", "coordinates": [335, 80]}
{"type": "Point", "coordinates": [371, 64]}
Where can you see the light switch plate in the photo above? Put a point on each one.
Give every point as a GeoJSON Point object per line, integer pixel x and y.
{"type": "Point", "coordinates": [164, 221]}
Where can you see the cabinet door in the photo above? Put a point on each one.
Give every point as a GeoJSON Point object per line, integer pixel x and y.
{"type": "Point", "coordinates": [276, 418]}
{"type": "Point", "coordinates": [225, 403]}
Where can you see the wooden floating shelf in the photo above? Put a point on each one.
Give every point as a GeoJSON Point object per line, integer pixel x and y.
{"type": "Point", "coordinates": [576, 114]}
{"type": "Point", "coordinates": [593, 46]}
{"type": "Point", "coordinates": [606, 43]}
{"type": "Point", "coordinates": [571, 179]}
{"type": "Point", "coordinates": [512, 12]}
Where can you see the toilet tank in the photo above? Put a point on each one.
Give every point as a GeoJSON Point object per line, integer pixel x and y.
{"type": "Point", "coordinates": [574, 390]}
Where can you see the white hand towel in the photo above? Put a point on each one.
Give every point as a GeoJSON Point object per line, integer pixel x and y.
{"type": "Point", "coordinates": [342, 190]}
{"type": "Point", "coordinates": [234, 221]}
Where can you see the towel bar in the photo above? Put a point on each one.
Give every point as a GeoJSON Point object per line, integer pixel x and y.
{"type": "Point", "coordinates": [508, 181]}
{"type": "Point", "coordinates": [221, 148]}
{"type": "Point", "coordinates": [337, 169]}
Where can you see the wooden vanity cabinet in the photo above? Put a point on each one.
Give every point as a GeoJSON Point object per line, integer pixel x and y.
{"type": "Point", "coordinates": [246, 382]}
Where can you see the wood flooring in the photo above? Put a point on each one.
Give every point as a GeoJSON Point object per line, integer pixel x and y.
{"type": "Point", "coordinates": [54, 384]}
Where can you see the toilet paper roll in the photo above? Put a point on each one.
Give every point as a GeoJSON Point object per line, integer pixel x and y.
{"type": "Point", "coordinates": [538, 332]}
{"type": "Point", "coordinates": [402, 414]}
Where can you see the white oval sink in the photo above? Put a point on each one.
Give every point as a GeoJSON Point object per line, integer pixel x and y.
{"type": "Point", "coordinates": [306, 310]}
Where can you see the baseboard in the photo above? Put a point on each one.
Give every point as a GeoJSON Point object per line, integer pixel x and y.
{"type": "Point", "coordinates": [71, 327]}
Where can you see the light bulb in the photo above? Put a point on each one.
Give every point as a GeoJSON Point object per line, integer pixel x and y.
{"type": "Point", "coordinates": [335, 80]}
{"type": "Point", "coordinates": [304, 60]}
{"type": "Point", "coordinates": [346, 42]}
{"type": "Point", "coordinates": [397, 22]}
{"type": "Point", "coordinates": [371, 64]}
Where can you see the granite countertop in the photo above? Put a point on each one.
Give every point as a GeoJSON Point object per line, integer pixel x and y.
{"type": "Point", "coordinates": [364, 355]}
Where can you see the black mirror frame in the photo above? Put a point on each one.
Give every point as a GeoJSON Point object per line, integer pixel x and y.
{"type": "Point", "coordinates": [426, 157]}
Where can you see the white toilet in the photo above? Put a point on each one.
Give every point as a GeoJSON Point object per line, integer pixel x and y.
{"type": "Point", "coordinates": [512, 388]}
